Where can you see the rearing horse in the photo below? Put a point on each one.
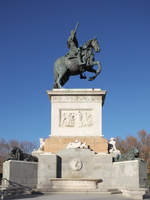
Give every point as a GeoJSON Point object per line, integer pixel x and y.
{"type": "Point", "coordinates": [65, 67]}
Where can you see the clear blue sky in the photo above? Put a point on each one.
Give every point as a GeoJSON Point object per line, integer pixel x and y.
{"type": "Point", "coordinates": [33, 34]}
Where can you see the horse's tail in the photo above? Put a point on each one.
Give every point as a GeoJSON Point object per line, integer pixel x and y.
{"type": "Point", "coordinates": [55, 85]}
{"type": "Point", "coordinates": [55, 78]}
{"type": "Point", "coordinates": [58, 70]}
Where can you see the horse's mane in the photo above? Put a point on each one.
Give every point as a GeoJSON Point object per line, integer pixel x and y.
{"type": "Point", "coordinates": [88, 43]}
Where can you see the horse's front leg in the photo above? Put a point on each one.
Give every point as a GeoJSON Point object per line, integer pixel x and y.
{"type": "Point", "coordinates": [93, 77]}
{"type": "Point", "coordinates": [82, 76]}
{"type": "Point", "coordinates": [94, 71]}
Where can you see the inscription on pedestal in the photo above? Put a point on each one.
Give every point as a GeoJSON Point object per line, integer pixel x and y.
{"type": "Point", "coordinates": [76, 99]}
{"type": "Point", "coordinates": [76, 118]}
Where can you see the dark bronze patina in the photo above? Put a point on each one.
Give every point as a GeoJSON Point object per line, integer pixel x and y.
{"type": "Point", "coordinates": [17, 154]}
{"type": "Point", "coordinates": [77, 61]}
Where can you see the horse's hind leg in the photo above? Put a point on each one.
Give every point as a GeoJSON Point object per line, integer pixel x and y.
{"type": "Point", "coordinates": [58, 82]}
{"type": "Point", "coordinates": [55, 86]}
{"type": "Point", "coordinates": [60, 74]}
{"type": "Point", "coordinates": [61, 79]}
{"type": "Point", "coordinates": [64, 78]}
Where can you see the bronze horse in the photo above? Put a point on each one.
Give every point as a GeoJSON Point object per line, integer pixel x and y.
{"type": "Point", "coordinates": [65, 67]}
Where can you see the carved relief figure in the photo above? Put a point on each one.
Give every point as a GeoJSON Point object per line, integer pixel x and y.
{"type": "Point", "coordinates": [89, 118]}
{"type": "Point", "coordinates": [63, 120]}
{"type": "Point", "coordinates": [76, 118]}
{"type": "Point", "coordinates": [77, 144]}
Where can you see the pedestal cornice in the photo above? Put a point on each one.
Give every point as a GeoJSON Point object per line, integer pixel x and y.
{"type": "Point", "coordinates": [77, 92]}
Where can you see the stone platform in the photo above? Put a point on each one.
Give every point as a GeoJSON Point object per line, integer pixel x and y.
{"type": "Point", "coordinates": [55, 144]}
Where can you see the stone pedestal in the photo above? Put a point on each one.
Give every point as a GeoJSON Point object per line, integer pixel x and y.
{"type": "Point", "coordinates": [76, 114]}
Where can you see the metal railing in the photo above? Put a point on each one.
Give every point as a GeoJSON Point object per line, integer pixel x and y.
{"type": "Point", "coordinates": [10, 188]}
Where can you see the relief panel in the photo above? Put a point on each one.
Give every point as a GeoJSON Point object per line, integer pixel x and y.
{"type": "Point", "coordinates": [76, 118]}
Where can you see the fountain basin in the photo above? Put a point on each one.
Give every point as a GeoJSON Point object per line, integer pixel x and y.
{"type": "Point", "coordinates": [74, 184]}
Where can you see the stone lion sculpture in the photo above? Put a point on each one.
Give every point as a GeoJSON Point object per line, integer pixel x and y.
{"type": "Point", "coordinates": [132, 154]}
{"type": "Point", "coordinates": [17, 154]}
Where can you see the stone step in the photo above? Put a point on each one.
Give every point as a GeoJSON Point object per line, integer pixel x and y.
{"type": "Point", "coordinates": [14, 192]}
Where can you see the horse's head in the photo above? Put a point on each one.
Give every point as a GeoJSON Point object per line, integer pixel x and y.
{"type": "Point", "coordinates": [95, 45]}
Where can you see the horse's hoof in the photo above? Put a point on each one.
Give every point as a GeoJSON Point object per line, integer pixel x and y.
{"type": "Point", "coordinates": [83, 77]}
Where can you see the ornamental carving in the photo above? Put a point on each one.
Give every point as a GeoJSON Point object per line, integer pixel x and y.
{"type": "Point", "coordinates": [76, 118]}
{"type": "Point", "coordinates": [76, 164]}
{"type": "Point", "coordinates": [77, 145]}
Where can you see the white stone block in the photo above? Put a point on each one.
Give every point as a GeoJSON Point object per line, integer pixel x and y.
{"type": "Point", "coordinates": [76, 112]}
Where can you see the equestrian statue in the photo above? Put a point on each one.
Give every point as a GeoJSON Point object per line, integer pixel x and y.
{"type": "Point", "coordinates": [77, 61]}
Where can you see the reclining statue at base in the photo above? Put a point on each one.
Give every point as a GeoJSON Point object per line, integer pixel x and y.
{"type": "Point", "coordinates": [17, 154]}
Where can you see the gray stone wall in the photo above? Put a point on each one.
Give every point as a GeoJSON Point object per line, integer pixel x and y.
{"type": "Point", "coordinates": [84, 163]}
{"type": "Point", "coordinates": [129, 174]}
{"type": "Point", "coordinates": [47, 169]}
{"type": "Point", "coordinates": [22, 172]}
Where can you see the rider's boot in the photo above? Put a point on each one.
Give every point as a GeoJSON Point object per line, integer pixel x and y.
{"type": "Point", "coordinates": [81, 63]}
